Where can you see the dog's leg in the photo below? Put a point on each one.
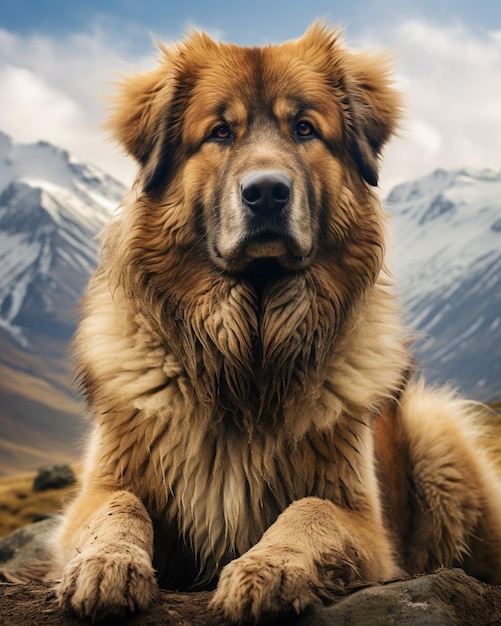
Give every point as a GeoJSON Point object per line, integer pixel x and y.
{"type": "Point", "coordinates": [107, 537]}
{"type": "Point", "coordinates": [312, 549]}
{"type": "Point", "coordinates": [455, 490]}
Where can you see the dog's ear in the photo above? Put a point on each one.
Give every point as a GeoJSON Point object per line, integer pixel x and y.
{"type": "Point", "coordinates": [374, 109]}
{"type": "Point", "coordinates": [361, 82]}
{"type": "Point", "coordinates": [148, 111]}
{"type": "Point", "coordinates": [135, 119]}
{"type": "Point", "coordinates": [145, 118]}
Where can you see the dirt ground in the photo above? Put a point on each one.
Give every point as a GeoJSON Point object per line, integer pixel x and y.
{"type": "Point", "coordinates": [35, 604]}
{"type": "Point", "coordinates": [446, 597]}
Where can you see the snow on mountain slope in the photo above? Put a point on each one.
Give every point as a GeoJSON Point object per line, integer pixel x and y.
{"type": "Point", "coordinates": [51, 207]}
{"type": "Point", "coordinates": [447, 260]}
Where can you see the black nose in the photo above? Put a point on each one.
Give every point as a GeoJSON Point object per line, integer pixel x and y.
{"type": "Point", "coordinates": [266, 191]}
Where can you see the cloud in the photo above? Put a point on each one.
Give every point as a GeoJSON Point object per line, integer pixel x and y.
{"type": "Point", "coordinates": [451, 78]}
{"type": "Point", "coordinates": [28, 103]}
{"type": "Point", "coordinates": [52, 88]}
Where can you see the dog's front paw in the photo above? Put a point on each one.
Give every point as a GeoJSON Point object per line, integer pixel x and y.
{"type": "Point", "coordinates": [263, 584]}
{"type": "Point", "coordinates": [108, 583]}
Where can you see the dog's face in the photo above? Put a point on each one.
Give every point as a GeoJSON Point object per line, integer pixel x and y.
{"type": "Point", "coordinates": [263, 142]}
{"type": "Point", "coordinates": [257, 193]}
{"type": "Point", "coordinates": [263, 148]}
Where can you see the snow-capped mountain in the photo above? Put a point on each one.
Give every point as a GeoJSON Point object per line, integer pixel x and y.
{"type": "Point", "coordinates": [447, 259]}
{"type": "Point", "coordinates": [51, 208]}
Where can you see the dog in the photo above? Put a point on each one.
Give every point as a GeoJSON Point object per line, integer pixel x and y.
{"type": "Point", "coordinates": [258, 425]}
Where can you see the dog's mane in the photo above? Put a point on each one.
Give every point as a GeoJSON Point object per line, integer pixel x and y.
{"type": "Point", "coordinates": [251, 354]}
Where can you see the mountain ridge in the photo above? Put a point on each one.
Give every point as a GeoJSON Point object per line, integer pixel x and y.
{"type": "Point", "coordinates": [447, 232]}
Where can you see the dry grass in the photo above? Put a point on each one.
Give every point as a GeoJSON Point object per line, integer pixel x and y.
{"type": "Point", "coordinates": [20, 505]}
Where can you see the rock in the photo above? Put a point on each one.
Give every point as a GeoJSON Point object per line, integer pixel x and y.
{"type": "Point", "coordinates": [445, 597]}
{"type": "Point", "coordinates": [26, 546]}
{"type": "Point", "coordinates": [53, 477]}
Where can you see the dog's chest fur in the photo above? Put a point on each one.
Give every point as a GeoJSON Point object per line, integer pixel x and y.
{"type": "Point", "coordinates": [220, 491]}
{"type": "Point", "coordinates": [216, 484]}
{"type": "Point", "coordinates": [220, 488]}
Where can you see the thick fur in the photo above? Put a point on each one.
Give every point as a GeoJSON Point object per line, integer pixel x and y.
{"type": "Point", "coordinates": [255, 427]}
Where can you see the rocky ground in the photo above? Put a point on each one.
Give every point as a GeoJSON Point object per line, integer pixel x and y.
{"type": "Point", "coordinates": [445, 597]}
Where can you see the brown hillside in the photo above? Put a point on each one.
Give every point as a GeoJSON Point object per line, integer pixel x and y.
{"type": "Point", "coordinates": [40, 416]}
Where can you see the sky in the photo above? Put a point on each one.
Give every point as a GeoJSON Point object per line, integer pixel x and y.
{"type": "Point", "coordinates": [59, 58]}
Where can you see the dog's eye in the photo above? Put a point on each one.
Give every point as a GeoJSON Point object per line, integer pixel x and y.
{"type": "Point", "coordinates": [221, 132]}
{"type": "Point", "coordinates": [305, 129]}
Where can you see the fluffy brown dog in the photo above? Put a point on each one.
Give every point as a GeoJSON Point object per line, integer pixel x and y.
{"type": "Point", "coordinates": [255, 425]}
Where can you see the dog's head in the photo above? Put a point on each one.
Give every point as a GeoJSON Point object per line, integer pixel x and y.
{"type": "Point", "coordinates": [261, 149]}
{"type": "Point", "coordinates": [253, 232]}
